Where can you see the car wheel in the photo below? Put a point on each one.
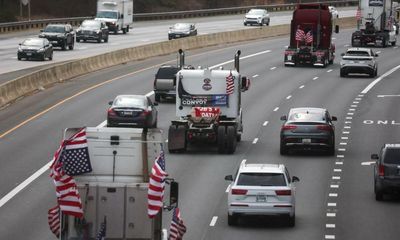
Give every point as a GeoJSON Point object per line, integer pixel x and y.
{"type": "Point", "coordinates": [245, 24]}
{"type": "Point", "coordinates": [378, 193]}
{"type": "Point", "coordinates": [394, 43]}
{"type": "Point", "coordinates": [106, 39]}
{"type": "Point", "coordinates": [262, 22]}
{"type": "Point", "coordinates": [99, 39]}
{"type": "Point", "coordinates": [292, 220]}
{"type": "Point", "coordinates": [331, 150]}
{"type": "Point", "coordinates": [51, 56]}
{"type": "Point", "coordinates": [232, 220]}
{"type": "Point", "coordinates": [283, 149]}
{"type": "Point", "coordinates": [71, 47]}
{"type": "Point", "coordinates": [342, 73]}
{"type": "Point", "coordinates": [268, 22]}
{"type": "Point", "coordinates": [19, 58]}
{"type": "Point", "coordinates": [43, 57]}
{"type": "Point", "coordinates": [78, 39]}
{"type": "Point", "coordinates": [231, 139]}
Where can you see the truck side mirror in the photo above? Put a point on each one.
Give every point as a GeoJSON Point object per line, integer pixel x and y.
{"type": "Point", "coordinates": [295, 179]}
{"type": "Point", "coordinates": [122, 16]}
{"type": "Point", "coordinates": [174, 193]}
{"type": "Point", "coordinates": [374, 156]}
{"type": "Point", "coordinates": [283, 118]}
{"type": "Point", "coordinates": [336, 28]}
{"type": "Point", "coordinates": [245, 84]}
{"type": "Point", "coordinates": [333, 118]}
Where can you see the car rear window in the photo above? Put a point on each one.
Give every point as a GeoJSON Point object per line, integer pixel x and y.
{"type": "Point", "coordinates": [130, 102]}
{"type": "Point", "coordinates": [392, 156]}
{"type": "Point", "coordinates": [54, 28]}
{"type": "Point", "coordinates": [357, 53]}
{"type": "Point", "coordinates": [261, 179]}
{"type": "Point", "coordinates": [167, 73]}
{"type": "Point", "coordinates": [307, 117]}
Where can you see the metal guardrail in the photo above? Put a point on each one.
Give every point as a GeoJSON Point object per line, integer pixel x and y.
{"type": "Point", "coordinates": [36, 24]}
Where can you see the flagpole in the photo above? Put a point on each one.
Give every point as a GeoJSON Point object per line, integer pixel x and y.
{"type": "Point", "coordinates": [61, 223]}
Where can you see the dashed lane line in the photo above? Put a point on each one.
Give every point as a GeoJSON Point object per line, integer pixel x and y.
{"type": "Point", "coordinates": [213, 221]}
{"type": "Point", "coordinates": [254, 76]}
{"type": "Point", "coordinates": [276, 109]}
{"type": "Point", "coordinates": [368, 163]}
{"type": "Point", "coordinates": [289, 97]}
{"type": "Point", "coordinates": [302, 86]}
{"type": "Point", "coordinates": [265, 123]}
{"type": "Point", "coordinates": [255, 140]}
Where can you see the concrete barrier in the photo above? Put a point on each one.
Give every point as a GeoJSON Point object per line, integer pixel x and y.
{"type": "Point", "coordinates": [17, 88]}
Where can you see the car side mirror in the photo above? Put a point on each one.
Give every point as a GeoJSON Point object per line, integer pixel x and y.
{"type": "Point", "coordinates": [41, 30]}
{"type": "Point", "coordinates": [295, 179]}
{"type": "Point", "coordinates": [283, 118]}
{"type": "Point", "coordinates": [110, 103]}
{"type": "Point", "coordinates": [374, 156]}
{"type": "Point", "coordinates": [229, 178]}
{"type": "Point", "coordinates": [336, 28]}
{"type": "Point", "coordinates": [334, 118]}
{"type": "Point", "coordinates": [20, 44]}
{"type": "Point", "coordinates": [155, 103]}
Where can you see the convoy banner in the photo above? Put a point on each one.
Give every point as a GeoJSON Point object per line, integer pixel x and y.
{"type": "Point", "coordinates": [205, 100]}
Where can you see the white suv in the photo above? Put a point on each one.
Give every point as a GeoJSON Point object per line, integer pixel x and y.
{"type": "Point", "coordinates": [261, 189]}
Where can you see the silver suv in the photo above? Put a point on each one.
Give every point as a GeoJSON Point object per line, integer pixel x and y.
{"type": "Point", "coordinates": [261, 189]}
{"type": "Point", "coordinates": [359, 60]}
{"type": "Point", "coordinates": [387, 170]}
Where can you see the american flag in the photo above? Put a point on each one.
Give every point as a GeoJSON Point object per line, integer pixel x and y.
{"type": "Point", "coordinates": [75, 155]}
{"type": "Point", "coordinates": [177, 228]}
{"type": "Point", "coordinates": [358, 14]}
{"type": "Point", "coordinates": [230, 84]}
{"type": "Point", "coordinates": [300, 35]}
{"type": "Point", "coordinates": [101, 235]}
{"type": "Point", "coordinates": [309, 37]}
{"type": "Point", "coordinates": [54, 220]}
{"type": "Point", "coordinates": [156, 186]}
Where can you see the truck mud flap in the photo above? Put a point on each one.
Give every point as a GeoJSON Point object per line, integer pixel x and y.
{"type": "Point", "coordinates": [177, 138]}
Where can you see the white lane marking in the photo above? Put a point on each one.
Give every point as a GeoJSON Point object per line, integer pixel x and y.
{"type": "Point", "coordinates": [333, 38]}
{"type": "Point", "coordinates": [349, 118]}
{"type": "Point", "coordinates": [340, 156]}
{"type": "Point", "coordinates": [342, 149]}
{"type": "Point", "coordinates": [331, 204]}
{"type": "Point", "coordinates": [331, 214]}
{"type": "Point", "coordinates": [166, 140]}
{"type": "Point", "coordinates": [367, 163]}
{"type": "Point", "coordinates": [81, 48]}
{"type": "Point", "coordinates": [395, 47]}
{"type": "Point", "coordinates": [378, 52]}
{"type": "Point", "coordinates": [350, 113]}
{"type": "Point", "coordinates": [335, 177]}
{"type": "Point", "coordinates": [265, 123]}
{"type": "Point", "coordinates": [255, 76]}
{"type": "Point", "coordinates": [356, 102]}
{"type": "Point", "coordinates": [347, 127]}
{"type": "Point", "coordinates": [382, 96]}
{"type": "Point", "coordinates": [346, 45]}
{"type": "Point", "coordinates": [213, 221]}
{"type": "Point", "coordinates": [347, 122]}
{"type": "Point", "coordinates": [371, 85]}
{"type": "Point", "coordinates": [245, 57]}
{"type": "Point", "coordinates": [333, 194]}
{"type": "Point", "coordinates": [358, 99]}
{"type": "Point", "coordinates": [103, 124]}
{"type": "Point", "coordinates": [273, 68]}
{"type": "Point", "coordinates": [334, 186]}
{"type": "Point", "coordinates": [255, 140]}
{"type": "Point", "coordinates": [337, 170]}
{"type": "Point", "coordinates": [289, 97]}
{"type": "Point", "coordinates": [25, 183]}
{"type": "Point", "coordinates": [329, 236]}
{"type": "Point", "coordinates": [227, 188]}
{"type": "Point", "coordinates": [353, 106]}
{"type": "Point", "coordinates": [330, 225]}
{"type": "Point", "coordinates": [351, 109]}
{"type": "Point", "coordinates": [315, 78]}
{"type": "Point", "coordinates": [276, 109]}
{"type": "Point", "coordinates": [346, 132]}
{"type": "Point", "coordinates": [345, 138]}
{"type": "Point", "coordinates": [302, 86]}
{"type": "Point", "coordinates": [361, 95]}
{"type": "Point", "coordinates": [343, 143]}
{"type": "Point", "coordinates": [330, 70]}
{"type": "Point", "coordinates": [339, 163]}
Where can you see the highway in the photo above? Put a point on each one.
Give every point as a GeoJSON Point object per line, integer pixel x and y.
{"type": "Point", "coordinates": [335, 198]}
{"type": "Point", "coordinates": [141, 33]}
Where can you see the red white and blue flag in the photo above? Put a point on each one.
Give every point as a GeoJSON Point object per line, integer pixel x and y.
{"type": "Point", "coordinates": [177, 228]}
{"type": "Point", "coordinates": [230, 84]}
{"type": "Point", "coordinates": [358, 14]}
{"type": "Point", "coordinates": [300, 35]}
{"type": "Point", "coordinates": [155, 192]}
{"type": "Point", "coordinates": [54, 220]}
{"type": "Point", "coordinates": [309, 37]}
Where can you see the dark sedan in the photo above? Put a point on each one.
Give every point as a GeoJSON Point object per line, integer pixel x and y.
{"type": "Point", "coordinates": [308, 128]}
{"type": "Point", "coordinates": [180, 30]}
{"type": "Point", "coordinates": [35, 48]}
{"type": "Point", "coordinates": [92, 30]}
{"type": "Point", "coordinates": [132, 110]}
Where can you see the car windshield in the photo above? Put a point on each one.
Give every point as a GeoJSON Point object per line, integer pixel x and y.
{"type": "Point", "coordinates": [130, 102]}
{"type": "Point", "coordinates": [107, 14]}
{"type": "Point", "coordinates": [167, 73]}
{"type": "Point", "coordinates": [91, 24]}
{"type": "Point", "coordinates": [306, 117]}
{"type": "Point", "coordinates": [261, 179]}
{"type": "Point", "coordinates": [33, 42]}
{"type": "Point", "coordinates": [357, 53]}
{"type": "Point", "coordinates": [256, 11]}
{"type": "Point", "coordinates": [392, 156]}
{"type": "Point", "coordinates": [181, 26]}
{"type": "Point", "coordinates": [53, 28]}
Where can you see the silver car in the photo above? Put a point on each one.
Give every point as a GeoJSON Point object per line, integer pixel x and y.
{"type": "Point", "coordinates": [257, 16]}
{"type": "Point", "coordinates": [359, 60]}
{"type": "Point", "coordinates": [261, 189]}
{"type": "Point", "coordinates": [334, 12]}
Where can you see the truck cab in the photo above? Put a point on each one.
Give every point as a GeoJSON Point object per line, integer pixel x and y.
{"type": "Point", "coordinates": [118, 14]}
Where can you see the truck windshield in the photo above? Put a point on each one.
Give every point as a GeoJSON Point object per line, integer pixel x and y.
{"type": "Point", "coordinates": [167, 73]}
{"type": "Point", "coordinates": [107, 14]}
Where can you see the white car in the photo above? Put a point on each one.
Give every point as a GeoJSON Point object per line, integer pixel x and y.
{"type": "Point", "coordinates": [257, 16]}
{"type": "Point", "coordinates": [334, 12]}
{"type": "Point", "coordinates": [261, 189]}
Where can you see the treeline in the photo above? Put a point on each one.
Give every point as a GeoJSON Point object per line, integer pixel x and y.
{"type": "Point", "coordinates": [10, 10]}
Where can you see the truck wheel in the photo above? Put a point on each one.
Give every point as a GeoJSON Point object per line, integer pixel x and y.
{"type": "Point", "coordinates": [221, 139]}
{"type": "Point", "coordinates": [71, 47]}
{"type": "Point", "coordinates": [123, 30]}
{"type": "Point", "coordinates": [231, 139]}
{"type": "Point", "coordinates": [238, 137]}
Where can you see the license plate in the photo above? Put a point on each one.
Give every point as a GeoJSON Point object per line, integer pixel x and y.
{"type": "Point", "coordinates": [28, 54]}
{"type": "Point", "coordinates": [289, 58]}
{"type": "Point", "coordinates": [306, 140]}
{"type": "Point", "coordinates": [86, 36]}
{"type": "Point", "coordinates": [361, 61]}
{"type": "Point", "coordinates": [53, 41]}
{"type": "Point", "coordinates": [177, 35]}
{"type": "Point", "coordinates": [261, 198]}
{"type": "Point", "coordinates": [128, 113]}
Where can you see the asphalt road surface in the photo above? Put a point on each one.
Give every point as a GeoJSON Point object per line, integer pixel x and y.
{"type": "Point", "coordinates": [335, 198]}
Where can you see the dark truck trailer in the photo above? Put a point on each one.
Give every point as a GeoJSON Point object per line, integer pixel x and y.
{"type": "Point", "coordinates": [311, 36]}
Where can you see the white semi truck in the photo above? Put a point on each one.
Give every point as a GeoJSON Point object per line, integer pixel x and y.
{"type": "Point", "coordinates": [376, 24]}
{"type": "Point", "coordinates": [116, 189]}
{"type": "Point", "coordinates": [117, 14]}
{"type": "Point", "coordinates": [208, 107]}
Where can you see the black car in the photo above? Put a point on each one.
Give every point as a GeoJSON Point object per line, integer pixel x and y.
{"type": "Point", "coordinates": [165, 82]}
{"type": "Point", "coordinates": [387, 171]}
{"type": "Point", "coordinates": [180, 30]}
{"type": "Point", "coordinates": [35, 48]}
{"type": "Point", "coordinates": [59, 35]}
{"type": "Point", "coordinates": [308, 128]}
{"type": "Point", "coordinates": [92, 30]}
{"type": "Point", "coordinates": [132, 110]}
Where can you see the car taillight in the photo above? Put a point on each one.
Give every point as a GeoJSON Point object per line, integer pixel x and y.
{"type": "Point", "coordinates": [239, 191]}
{"type": "Point", "coordinates": [146, 113]}
{"type": "Point", "coordinates": [111, 112]}
{"type": "Point", "coordinates": [324, 127]}
{"type": "Point", "coordinates": [289, 52]}
{"type": "Point", "coordinates": [283, 192]}
{"type": "Point", "coordinates": [289, 127]}
{"type": "Point", "coordinates": [381, 170]}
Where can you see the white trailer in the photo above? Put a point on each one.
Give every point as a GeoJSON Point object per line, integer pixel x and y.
{"type": "Point", "coordinates": [208, 107]}
{"type": "Point", "coordinates": [118, 14]}
{"type": "Point", "coordinates": [116, 189]}
{"type": "Point", "coordinates": [376, 24]}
